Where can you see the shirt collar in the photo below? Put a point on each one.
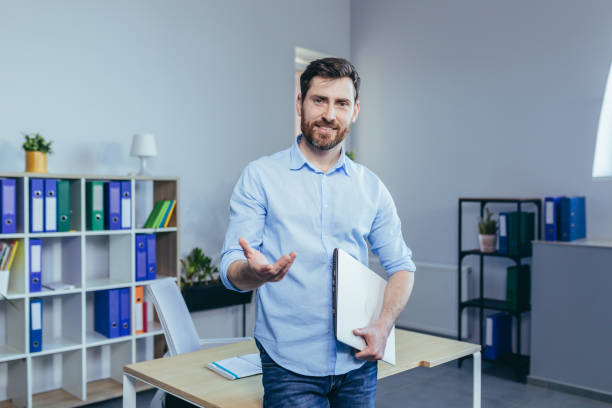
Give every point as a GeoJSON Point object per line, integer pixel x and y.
{"type": "Point", "coordinates": [298, 160]}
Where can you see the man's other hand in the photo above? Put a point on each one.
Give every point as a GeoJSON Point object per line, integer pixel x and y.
{"type": "Point", "coordinates": [375, 337]}
{"type": "Point", "coordinates": [261, 269]}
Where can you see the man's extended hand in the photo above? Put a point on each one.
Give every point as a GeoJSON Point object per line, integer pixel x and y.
{"type": "Point", "coordinates": [262, 270]}
{"type": "Point", "coordinates": [375, 337]}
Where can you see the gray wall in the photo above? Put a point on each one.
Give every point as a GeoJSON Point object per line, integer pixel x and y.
{"type": "Point", "coordinates": [213, 80]}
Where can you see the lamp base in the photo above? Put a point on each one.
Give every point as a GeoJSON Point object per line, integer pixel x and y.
{"type": "Point", "coordinates": [143, 170]}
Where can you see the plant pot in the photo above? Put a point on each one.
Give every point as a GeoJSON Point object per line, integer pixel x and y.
{"type": "Point", "coordinates": [487, 242]}
{"type": "Point", "coordinates": [36, 162]}
{"type": "Point", "coordinates": [213, 296]}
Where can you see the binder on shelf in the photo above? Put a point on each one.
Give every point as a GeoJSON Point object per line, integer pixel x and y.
{"type": "Point", "coordinates": [498, 329]}
{"type": "Point", "coordinates": [126, 204]}
{"type": "Point", "coordinates": [552, 230]}
{"type": "Point", "coordinates": [37, 206]}
{"type": "Point", "coordinates": [106, 312]}
{"type": "Point", "coordinates": [518, 287]}
{"type": "Point", "coordinates": [139, 313]}
{"type": "Point", "coordinates": [166, 218]}
{"type": "Point", "coordinates": [50, 205]}
{"type": "Point", "coordinates": [112, 207]}
{"type": "Point", "coordinates": [520, 246]}
{"type": "Point", "coordinates": [150, 223]}
{"type": "Point", "coordinates": [503, 233]}
{"type": "Point", "coordinates": [94, 205]}
{"type": "Point", "coordinates": [35, 264]}
{"type": "Point", "coordinates": [151, 257]}
{"type": "Point", "coordinates": [573, 218]}
{"type": "Point", "coordinates": [8, 205]}
{"type": "Point", "coordinates": [124, 311]}
{"type": "Point", "coordinates": [145, 316]}
{"type": "Point", "coordinates": [7, 254]}
{"type": "Point", "coordinates": [36, 314]}
{"type": "Point", "coordinates": [141, 257]}
{"type": "Point", "coordinates": [63, 205]}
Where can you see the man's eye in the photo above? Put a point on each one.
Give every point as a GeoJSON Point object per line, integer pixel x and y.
{"type": "Point", "coordinates": [343, 104]}
{"type": "Point", "coordinates": [318, 100]}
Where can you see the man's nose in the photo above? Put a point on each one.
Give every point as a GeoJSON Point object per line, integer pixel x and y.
{"type": "Point", "coordinates": [330, 114]}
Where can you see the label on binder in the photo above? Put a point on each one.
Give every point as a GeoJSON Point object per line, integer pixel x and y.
{"type": "Point", "coordinates": [550, 212]}
{"type": "Point", "coordinates": [36, 316]}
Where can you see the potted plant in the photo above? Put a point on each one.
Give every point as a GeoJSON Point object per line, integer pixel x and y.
{"type": "Point", "coordinates": [487, 233]}
{"type": "Point", "coordinates": [36, 148]}
{"type": "Point", "coordinates": [202, 287]}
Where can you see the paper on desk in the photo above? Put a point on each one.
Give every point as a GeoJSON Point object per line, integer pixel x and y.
{"type": "Point", "coordinates": [237, 367]}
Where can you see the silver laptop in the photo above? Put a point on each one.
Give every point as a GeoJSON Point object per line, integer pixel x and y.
{"type": "Point", "coordinates": [358, 294]}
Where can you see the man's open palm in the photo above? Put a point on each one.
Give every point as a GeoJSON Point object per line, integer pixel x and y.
{"type": "Point", "coordinates": [261, 268]}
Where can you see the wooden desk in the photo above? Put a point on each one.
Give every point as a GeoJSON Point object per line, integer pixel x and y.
{"type": "Point", "coordinates": [186, 376]}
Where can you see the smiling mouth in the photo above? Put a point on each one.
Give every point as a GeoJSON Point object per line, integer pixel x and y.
{"type": "Point", "coordinates": [327, 130]}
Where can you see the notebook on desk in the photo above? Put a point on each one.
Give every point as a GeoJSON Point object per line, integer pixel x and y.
{"type": "Point", "coordinates": [358, 294]}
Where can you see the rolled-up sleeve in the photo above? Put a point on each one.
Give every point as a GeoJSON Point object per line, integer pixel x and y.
{"type": "Point", "coordinates": [386, 240]}
{"type": "Point", "coordinates": [247, 220]}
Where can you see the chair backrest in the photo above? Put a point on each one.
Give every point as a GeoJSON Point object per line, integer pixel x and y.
{"type": "Point", "coordinates": [180, 332]}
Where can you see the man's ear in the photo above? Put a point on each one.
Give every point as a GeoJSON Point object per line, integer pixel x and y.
{"type": "Point", "coordinates": [355, 112]}
{"type": "Point", "coordinates": [298, 105]}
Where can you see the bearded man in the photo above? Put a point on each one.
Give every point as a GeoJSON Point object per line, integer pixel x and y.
{"type": "Point", "coordinates": [288, 212]}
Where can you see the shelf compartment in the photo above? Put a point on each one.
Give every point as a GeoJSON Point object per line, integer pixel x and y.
{"type": "Point", "coordinates": [92, 337]}
{"type": "Point", "coordinates": [61, 261]}
{"type": "Point", "coordinates": [109, 260]}
{"type": "Point", "coordinates": [63, 385]}
{"type": "Point", "coordinates": [166, 256]}
{"type": "Point", "coordinates": [17, 275]}
{"type": "Point", "coordinates": [12, 329]}
{"type": "Point", "coordinates": [61, 328]}
{"type": "Point", "coordinates": [105, 363]}
{"type": "Point", "coordinates": [13, 383]}
{"type": "Point", "coordinates": [107, 388]}
{"type": "Point", "coordinates": [146, 350]}
{"type": "Point", "coordinates": [493, 304]}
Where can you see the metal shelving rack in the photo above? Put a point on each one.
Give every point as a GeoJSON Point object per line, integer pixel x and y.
{"type": "Point", "coordinates": [517, 361]}
{"type": "Point", "coordinates": [77, 365]}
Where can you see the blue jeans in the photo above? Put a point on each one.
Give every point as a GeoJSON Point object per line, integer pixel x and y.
{"type": "Point", "coordinates": [286, 389]}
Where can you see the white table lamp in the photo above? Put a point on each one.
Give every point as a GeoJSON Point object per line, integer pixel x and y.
{"type": "Point", "coordinates": [602, 160]}
{"type": "Point", "coordinates": [143, 146]}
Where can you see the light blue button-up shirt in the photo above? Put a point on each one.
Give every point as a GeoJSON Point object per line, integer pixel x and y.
{"type": "Point", "coordinates": [283, 203]}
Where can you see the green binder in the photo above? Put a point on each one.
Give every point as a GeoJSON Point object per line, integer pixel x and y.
{"type": "Point", "coordinates": [527, 233]}
{"type": "Point", "coordinates": [94, 205]}
{"type": "Point", "coordinates": [150, 223]}
{"type": "Point", "coordinates": [161, 214]}
{"type": "Point", "coordinates": [63, 205]}
{"type": "Point", "coordinates": [518, 287]}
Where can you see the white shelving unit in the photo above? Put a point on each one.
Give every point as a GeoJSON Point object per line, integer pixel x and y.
{"type": "Point", "coordinates": [77, 365]}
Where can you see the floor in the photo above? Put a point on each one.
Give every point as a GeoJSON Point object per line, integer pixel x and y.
{"type": "Point", "coordinates": [449, 386]}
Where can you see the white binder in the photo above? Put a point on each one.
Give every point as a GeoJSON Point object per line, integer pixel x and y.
{"type": "Point", "coordinates": [358, 300]}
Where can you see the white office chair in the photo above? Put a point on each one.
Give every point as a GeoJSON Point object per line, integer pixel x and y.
{"type": "Point", "coordinates": [179, 330]}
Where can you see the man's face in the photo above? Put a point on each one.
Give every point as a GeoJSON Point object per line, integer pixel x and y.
{"type": "Point", "coordinates": [327, 112]}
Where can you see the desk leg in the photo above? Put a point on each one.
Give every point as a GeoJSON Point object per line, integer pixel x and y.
{"type": "Point", "coordinates": [477, 380]}
{"type": "Point", "coordinates": [129, 392]}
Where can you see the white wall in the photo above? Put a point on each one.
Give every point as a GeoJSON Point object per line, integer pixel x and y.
{"type": "Point", "coordinates": [213, 80]}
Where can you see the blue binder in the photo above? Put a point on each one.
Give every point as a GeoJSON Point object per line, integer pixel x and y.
{"type": "Point", "coordinates": [37, 205]}
{"type": "Point", "coordinates": [35, 265]}
{"type": "Point", "coordinates": [573, 218]}
{"type": "Point", "coordinates": [124, 314]}
{"type": "Point", "coordinates": [8, 206]}
{"type": "Point", "coordinates": [141, 257]}
{"type": "Point", "coordinates": [552, 230]}
{"type": "Point", "coordinates": [503, 233]}
{"type": "Point", "coordinates": [151, 257]}
{"type": "Point", "coordinates": [112, 206]}
{"type": "Point", "coordinates": [50, 205]}
{"type": "Point", "coordinates": [498, 331]}
{"type": "Point", "coordinates": [126, 204]}
{"type": "Point", "coordinates": [36, 319]}
{"type": "Point", "coordinates": [106, 312]}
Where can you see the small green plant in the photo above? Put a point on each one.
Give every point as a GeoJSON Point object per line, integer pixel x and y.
{"type": "Point", "coordinates": [351, 155]}
{"type": "Point", "coordinates": [36, 143]}
{"type": "Point", "coordinates": [487, 226]}
{"type": "Point", "coordinates": [198, 269]}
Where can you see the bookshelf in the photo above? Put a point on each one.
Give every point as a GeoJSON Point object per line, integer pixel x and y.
{"type": "Point", "coordinates": [78, 366]}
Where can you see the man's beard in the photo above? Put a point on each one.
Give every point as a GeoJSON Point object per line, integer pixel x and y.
{"type": "Point", "coordinates": [320, 141]}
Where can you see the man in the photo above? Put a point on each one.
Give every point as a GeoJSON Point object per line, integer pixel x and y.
{"type": "Point", "coordinates": [288, 212]}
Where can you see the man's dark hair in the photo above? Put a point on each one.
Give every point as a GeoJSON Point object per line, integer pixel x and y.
{"type": "Point", "coordinates": [329, 68]}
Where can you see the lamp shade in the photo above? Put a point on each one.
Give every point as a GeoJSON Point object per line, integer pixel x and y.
{"type": "Point", "coordinates": [602, 160]}
{"type": "Point", "coordinates": [143, 145]}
